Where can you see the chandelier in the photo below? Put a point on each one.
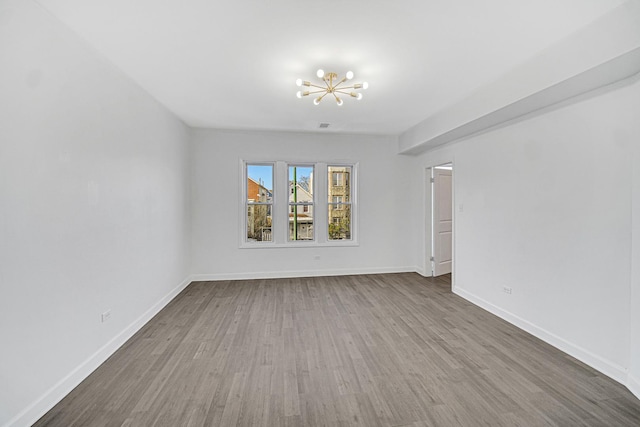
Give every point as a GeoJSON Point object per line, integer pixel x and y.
{"type": "Point", "coordinates": [333, 86]}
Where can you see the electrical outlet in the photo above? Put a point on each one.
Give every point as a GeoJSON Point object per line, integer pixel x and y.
{"type": "Point", "coordinates": [507, 290]}
{"type": "Point", "coordinates": [106, 316]}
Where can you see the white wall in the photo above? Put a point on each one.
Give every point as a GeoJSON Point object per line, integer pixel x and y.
{"type": "Point", "coordinates": [634, 369]}
{"type": "Point", "coordinates": [94, 209]}
{"type": "Point", "coordinates": [385, 240]}
{"type": "Point", "coordinates": [547, 211]}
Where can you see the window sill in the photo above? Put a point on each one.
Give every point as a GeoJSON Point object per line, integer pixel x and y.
{"type": "Point", "coordinates": [332, 244]}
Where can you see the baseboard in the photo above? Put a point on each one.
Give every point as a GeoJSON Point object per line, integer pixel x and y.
{"type": "Point", "coordinates": [633, 384]}
{"type": "Point", "coordinates": [422, 272]}
{"type": "Point", "coordinates": [612, 370]}
{"type": "Point", "coordinates": [56, 393]}
{"type": "Point", "coordinates": [204, 277]}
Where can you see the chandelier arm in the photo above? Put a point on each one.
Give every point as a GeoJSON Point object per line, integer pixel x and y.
{"type": "Point", "coordinates": [341, 91]}
{"type": "Point", "coordinates": [346, 87]}
{"type": "Point", "coordinates": [319, 87]}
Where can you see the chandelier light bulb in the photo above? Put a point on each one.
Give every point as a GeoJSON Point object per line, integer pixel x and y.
{"type": "Point", "coordinates": [299, 82]}
{"type": "Point", "coordinates": [320, 73]}
{"type": "Point", "coordinates": [349, 75]}
{"type": "Point", "coordinates": [359, 97]}
{"type": "Point", "coordinates": [365, 85]}
{"type": "Point", "coordinates": [339, 101]}
{"type": "Point", "coordinates": [299, 94]}
{"type": "Point", "coordinates": [317, 101]}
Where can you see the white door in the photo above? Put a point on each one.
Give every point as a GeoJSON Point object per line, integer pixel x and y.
{"type": "Point", "coordinates": [442, 221]}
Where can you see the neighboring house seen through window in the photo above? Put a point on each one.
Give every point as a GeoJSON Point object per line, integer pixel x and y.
{"type": "Point", "coordinates": [339, 193]}
{"type": "Point", "coordinates": [259, 202]}
{"type": "Point", "coordinates": [301, 202]}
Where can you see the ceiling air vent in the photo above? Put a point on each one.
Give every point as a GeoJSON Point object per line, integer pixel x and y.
{"type": "Point", "coordinates": [323, 125]}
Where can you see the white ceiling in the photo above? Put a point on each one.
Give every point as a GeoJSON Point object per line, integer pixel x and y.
{"type": "Point", "coordinates": [233, 64]}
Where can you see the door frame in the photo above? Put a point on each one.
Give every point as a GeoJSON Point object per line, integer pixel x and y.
{"type": "Point", "coordinates": [428, 219]}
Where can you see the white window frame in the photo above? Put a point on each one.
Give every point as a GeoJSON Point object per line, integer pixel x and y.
{"type": "Point", "coordinates": [246, 203]}
{"type": "Point", "coordinates": [303, 204]}
{"type": "Point", "coordinates": [280, 207]}
{"type": "Point", "coordinates": [341, 204]}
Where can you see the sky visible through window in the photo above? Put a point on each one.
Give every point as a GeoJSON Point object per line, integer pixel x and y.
{"type": "Point", "coordinates": [262, 174]}
{"type": "Point", "coordinates": [303, 175]}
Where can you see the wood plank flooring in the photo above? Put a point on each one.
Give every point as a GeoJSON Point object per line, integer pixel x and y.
{"type": "Point", "coordinates": [371, 350]}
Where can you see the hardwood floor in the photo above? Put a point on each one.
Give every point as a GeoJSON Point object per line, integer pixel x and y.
{"type": "Point", "coordinates": [372, 350]}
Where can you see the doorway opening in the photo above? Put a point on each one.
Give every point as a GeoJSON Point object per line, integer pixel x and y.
{"type": "Point", "coordinates": [440, 220]}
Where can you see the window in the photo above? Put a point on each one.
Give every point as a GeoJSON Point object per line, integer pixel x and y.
{"type": "Point", "coordinates": [300, 203]}
{"type": "Point", "coordinates": [338, 202]}
{"type": "Point", "coordinates": [297, 204]}
{"type": "Point", "coordinates": [259, 202]}
{"type": "Point", "coordinates": [337, 179]}
{"type": "Point", "coordinates": [339, 212]}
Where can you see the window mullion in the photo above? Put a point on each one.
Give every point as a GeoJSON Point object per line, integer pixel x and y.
{"type": "Point", "coordinates": [320, 184]}
{"type": "Point", "coordinates": [281, 204]}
